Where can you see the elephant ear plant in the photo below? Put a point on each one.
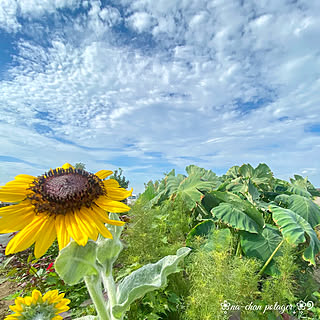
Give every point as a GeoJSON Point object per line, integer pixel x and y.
{"type": "Point", "coordinates": [93, 264]}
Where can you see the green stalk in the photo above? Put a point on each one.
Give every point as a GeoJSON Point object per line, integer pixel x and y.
{"type": "Point", "coordinates": [93, 284]}
{"type": "Point", "coordinates": [203, 209]}
{"type": "Point", "coordinates": [238, 252]}
{"type": "Point", "coordinates": [110, 286]}
{"type": "Point", "coordinates": [270, 258]}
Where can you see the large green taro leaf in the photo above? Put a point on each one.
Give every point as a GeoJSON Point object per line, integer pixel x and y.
{"type": "Point", "coordinates": [262, 245]}
{"type": "Point", "coordinates": [202, 229]}
{"type": "Point", "coordinates": [148, 278]}
{"type": "Point", "coordinates": [303, 206]}
{"type": "Point", "coordinates": [241, 205]}
{"type": "Point", "coordinates": [201, 172]}
{"type": "Point", "coordinates": [189, 189]}
{"type": "Point", "coordinates": [260, 175]}
{"type": "Point", "coordinates": [75, 262]}
{"type": "Point", "coordinates": [293, 228]}
{"type": "Point", "coordinates": [235, 218]}
{"type": "Point", "coordinates": [233, 172]}
{"type": "Point", "coordinates": [299, 185]}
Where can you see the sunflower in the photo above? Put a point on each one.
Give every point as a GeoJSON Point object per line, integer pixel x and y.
{"type": "Point", "coordinates": [36, 306]}
{"type": "Point", "coordinates": [63, 203]}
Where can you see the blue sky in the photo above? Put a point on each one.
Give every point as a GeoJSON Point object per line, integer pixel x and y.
{"type": "Point", "coordinates": [149, 86]}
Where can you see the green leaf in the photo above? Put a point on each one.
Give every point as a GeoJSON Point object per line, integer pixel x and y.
{"type": "Point", "coordinates": [235, 218]}
{"type": "Point", "coordinates": [246, 171]}
{"type": "Point", "coordinates": [260, 175]}
{"type": "Point", "coordinates": [293, 228]}
{"type": "Point", "coordinates": [189, 189]}
{"type": "Point", "coordinates": [87, 318]}
{"type": "Point", "coordinates": [108, 250]}
{"type": "Point", "coordinates": [148, 278]}
{"type": "Point", "coordinates": [299, 186]}
{"type": "Point", "coordinates": [303, 206]}
{"type": "Point", "coordinates": [262, 245]}
{"type": "Point", "coordinates": [242, 205]}
{"type": "Point", "coordinates": [300, 191]}
{"type": "Point", "coordinates": [201, 172]}
{"type": "Point", "coordinates": [201, 229]}
{"type": "Point", "coordinates": [74, 262]}
{"type": "Point", "coordinates": [253, 191]}
{"type": "Point", "coordinates": [233, 172]}
{"type": "Point", "coordinates": [219, 240]}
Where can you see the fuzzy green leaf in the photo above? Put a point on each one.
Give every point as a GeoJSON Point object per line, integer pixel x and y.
{"type": "Point", "coordinates": [294, 228]}
{"type": "Point", "coordinates": [75, 262]}
{"type": "Point", "coordinates": [108, 250]}
{"type": "Point", "coordinates": [148, 278]}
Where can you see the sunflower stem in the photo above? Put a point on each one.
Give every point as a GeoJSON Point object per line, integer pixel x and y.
{"type": "Point", "coordinates": [110, 286]}
{"type": "Point", "coordinates": [94, 287]}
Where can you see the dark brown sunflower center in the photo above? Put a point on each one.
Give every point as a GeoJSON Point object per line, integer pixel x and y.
{"type": "Point", "coordinates": [60, 191]}
{"type": "Point", "coordinates": [64, 187]}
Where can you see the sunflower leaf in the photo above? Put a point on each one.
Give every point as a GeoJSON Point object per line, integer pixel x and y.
{"type": "Point", "coordinates": [148, 278]}
{"type": "Point", "coordinates": [108, 250]}
{"type": "Point", "coordinates": [75, 262]}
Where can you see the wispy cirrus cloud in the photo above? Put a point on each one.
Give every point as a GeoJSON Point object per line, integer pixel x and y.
{"type": "Point", "coordinates": [149, 86]}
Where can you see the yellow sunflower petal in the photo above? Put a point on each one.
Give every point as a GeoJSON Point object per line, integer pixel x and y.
{"type": "Point", "coordinates": [111, 206]}
{"type": "Point", "coordinates": [17, 184]}
{"type": "Point", "coordinates": [62, 232]}
{"type": "Point", "coordinates": [86, 217]}
{"type": "Point", "coordinates": [111, 183]}
{"type": "Point", "coordinates": [67, 166]}
{"type": "Point", "coordinates": [48, 296]}
{"type": "Point", "coordinates": [62, 304]}
{"type": "Point", "coordinates": [19, 301]}
{"type": "Point", "coordinates": [9, 196]}
{"type": "Point", "coordinates": [84, 226]}
{"type": "Point", "coordinates": [118, 193]}
{"type": "Point", "coordinates": [57, 318]}
{"type": "Point", "coordinates": [103, 230]}
{"type": "Point", "coordinates": [74, 230]}
{"type": "Point", "coordinates": [25, 178]}
{"type": "Point", "coordinates": [28, 300]}
{"type": "Point", "coordinates": [63, 309]}
{"type": "Point", "coordinates": [45, 241]}
{"type": "Point", "coordinates": [16, 308]}
{"type": "Point", "coordinates": [102, 174]}
{"type": "Point", "coordinates": [12, 317]}
{"type": "Point", "coordinates": [26, 237]}
{"type": "Point", "coordinates": [17, 221]}
{"type": "Point", "coordinates": [104, 217]}
{"type": "Point", "coordinates": [8, 210]}
{"type": "Point", "coordinates": [36, 296]}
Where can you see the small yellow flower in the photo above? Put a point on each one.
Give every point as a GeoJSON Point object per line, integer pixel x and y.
{"type": "Point", "coordinates": [63, 203]}
{"type": "Point", "coordinates": [45, 307]}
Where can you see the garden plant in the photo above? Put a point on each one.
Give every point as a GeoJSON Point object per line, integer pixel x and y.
{"type": "Point", "coordinates": [196, 246]}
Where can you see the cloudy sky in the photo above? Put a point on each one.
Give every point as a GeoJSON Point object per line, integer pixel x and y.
{"type": "Point", "coordinates": [149, 86]}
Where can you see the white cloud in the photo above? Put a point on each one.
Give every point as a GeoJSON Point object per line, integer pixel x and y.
{"type": "Point", "coordinates": [140, 21]}
{"type": "Point", "coordinates": [211, 80]}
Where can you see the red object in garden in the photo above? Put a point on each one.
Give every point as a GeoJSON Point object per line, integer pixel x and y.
{"type": "Point", "coordinates": [50, 267]}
